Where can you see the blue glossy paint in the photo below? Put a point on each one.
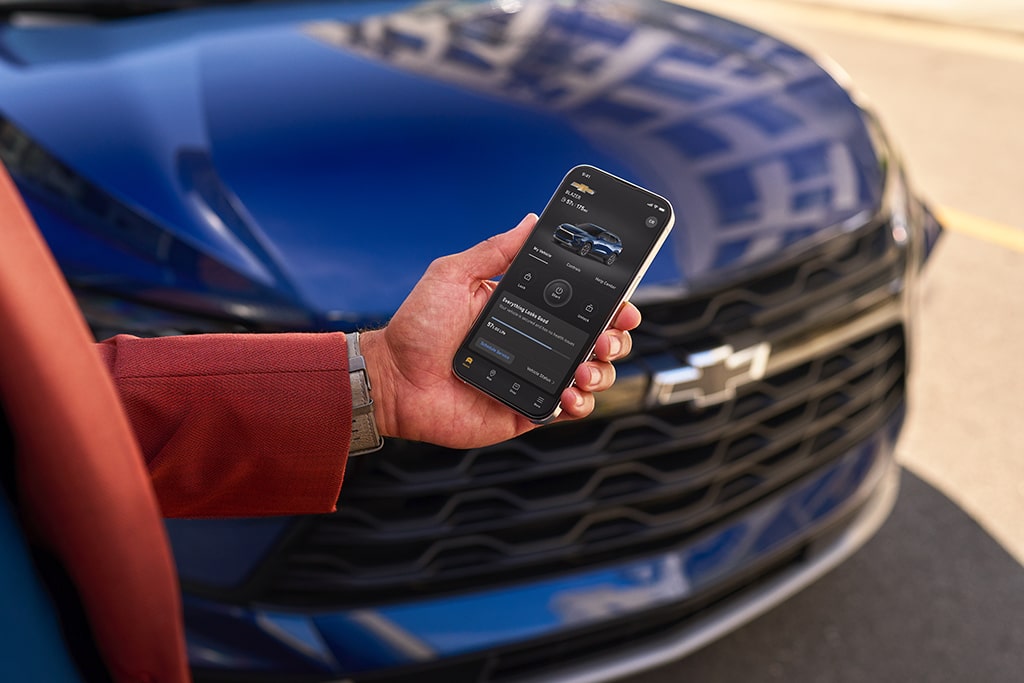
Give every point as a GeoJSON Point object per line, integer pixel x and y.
{"type": "Point", "coordinates": [329, 130]}
{"type": "Point", "coordinates": [222, 551]}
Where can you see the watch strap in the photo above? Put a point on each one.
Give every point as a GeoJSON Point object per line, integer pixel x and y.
{"type": "Point", "coordinates": [365, 437]}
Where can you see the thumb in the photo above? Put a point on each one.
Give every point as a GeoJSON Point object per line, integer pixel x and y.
{"type": "Point", "coordinates": [492, 257]}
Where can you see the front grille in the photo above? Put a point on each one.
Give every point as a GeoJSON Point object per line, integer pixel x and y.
{"type": "Point", "coordinates": [417, 519]}
{"type": "Point", "coordinates": [810, 290]}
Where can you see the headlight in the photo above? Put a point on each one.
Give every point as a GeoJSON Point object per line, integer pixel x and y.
{"type": "Point", "coordinates": [913, 225]}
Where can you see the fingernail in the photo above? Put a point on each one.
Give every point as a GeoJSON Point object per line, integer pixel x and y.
{"type": "Point", "coordinates": [579, 399]}
{"type": "Point", "coordinates": [615, 345]}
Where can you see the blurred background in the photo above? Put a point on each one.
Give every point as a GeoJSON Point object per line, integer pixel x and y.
{"type": "Point", "coordinates": [938, 595]}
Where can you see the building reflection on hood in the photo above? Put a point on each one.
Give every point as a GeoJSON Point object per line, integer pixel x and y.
{"type": "Point", "coordinates": [753, 142]}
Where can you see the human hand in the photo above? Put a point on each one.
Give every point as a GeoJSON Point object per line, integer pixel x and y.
{"type": "Point", "coordinates": [416, 394]}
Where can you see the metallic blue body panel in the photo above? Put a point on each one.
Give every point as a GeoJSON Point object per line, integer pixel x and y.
{"type": "Point", "coordinates": [284, 145]}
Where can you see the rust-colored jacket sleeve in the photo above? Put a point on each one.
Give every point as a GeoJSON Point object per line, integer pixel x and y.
{"type": "Point", "coordinates": [238, 424]}
{"type": "Point", "coordinates": [83, 492]}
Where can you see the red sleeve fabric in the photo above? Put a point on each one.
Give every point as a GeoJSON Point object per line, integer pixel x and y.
{"type": "Point", "coordinates": [83, 491]}
{"type": "Point", "coordinates": [238, 424]}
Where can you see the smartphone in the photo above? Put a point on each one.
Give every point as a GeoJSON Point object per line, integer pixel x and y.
{"type": "Point", "coordinates": [591, 246]}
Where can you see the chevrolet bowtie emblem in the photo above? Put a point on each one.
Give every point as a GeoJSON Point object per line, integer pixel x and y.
{"type": "Point", "coordinates": [585, 189]}
{"type": "Point", "coordinates": [710, 377]}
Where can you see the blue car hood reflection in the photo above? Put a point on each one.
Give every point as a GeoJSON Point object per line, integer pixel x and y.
{"type": "Point", "coordinates": [353, 143]}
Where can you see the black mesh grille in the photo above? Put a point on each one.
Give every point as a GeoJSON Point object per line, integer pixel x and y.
{"type": "Point", "coordinates": [420, 519]}
{"type": "Point", "coordinates": [808, 291]}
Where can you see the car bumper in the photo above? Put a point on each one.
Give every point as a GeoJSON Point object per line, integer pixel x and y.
{"type": "Point", "coordinates": [565, 242]}
{"type": "Point", "coordinates": [636, 614]}
{"type": "Point", "coordinates": [821, 557]}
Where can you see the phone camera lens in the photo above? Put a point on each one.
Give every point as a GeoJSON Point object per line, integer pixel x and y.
{"type": "Point", "coordinates": [651, 221]}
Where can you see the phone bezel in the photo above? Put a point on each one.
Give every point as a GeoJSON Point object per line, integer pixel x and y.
{"type": "Point", "coordinates": [592, 341]}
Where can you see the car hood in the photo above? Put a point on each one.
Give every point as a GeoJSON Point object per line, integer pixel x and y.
{"type": "Point", "coordinates": [327, 152]}
{"type": "Point", "coordinates": [568, 227]}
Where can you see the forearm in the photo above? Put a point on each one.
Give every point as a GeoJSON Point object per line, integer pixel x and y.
{"type": "Point", "coordinates": [238, 425]}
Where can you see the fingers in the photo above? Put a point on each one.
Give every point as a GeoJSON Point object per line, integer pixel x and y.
{"type": "Point", "coordinates": [628, 317]}
{"type": "Point", "coordinates": [576, 404]}
{"type": "Point", "coordinates": [595, 376]}
{"type": "Point", "coordinates": [613, 344]}
{"type": "Point", "coordinates": [491, 258]}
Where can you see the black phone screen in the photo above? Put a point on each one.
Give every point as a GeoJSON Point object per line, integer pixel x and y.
{"type": "Point", "coordinates": [591, 244]}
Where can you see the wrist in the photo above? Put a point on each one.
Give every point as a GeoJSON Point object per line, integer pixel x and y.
{"type": "Point", "coordinates": [374, 349]}
{"type": "Point", "coordinates": [364, 437]}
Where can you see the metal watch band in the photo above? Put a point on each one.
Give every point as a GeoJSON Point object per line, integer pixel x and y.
{"type": "Point", "coordinates": [365, 437]}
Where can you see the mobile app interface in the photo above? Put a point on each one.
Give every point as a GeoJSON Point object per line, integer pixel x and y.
{"type": "Point", "coordinates": [562, 290]}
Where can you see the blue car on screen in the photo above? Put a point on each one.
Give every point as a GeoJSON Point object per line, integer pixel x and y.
{"type": "Point", "coordinates": [587, 239]}
{"type": "Point", "coordinates": [295, 166]}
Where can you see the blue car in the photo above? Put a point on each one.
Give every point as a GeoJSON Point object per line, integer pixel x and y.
{"type": "Point", "coordinates": [295, 166]}
{"type": "Point", "coordinates": [587, 239]}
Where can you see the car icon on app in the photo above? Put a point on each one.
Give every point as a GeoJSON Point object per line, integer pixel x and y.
{"type": "Point", "coordinates": [588, 239]}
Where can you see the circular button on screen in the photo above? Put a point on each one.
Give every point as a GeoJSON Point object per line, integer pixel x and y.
{"type": "Point", "coordinates": [557, 293]}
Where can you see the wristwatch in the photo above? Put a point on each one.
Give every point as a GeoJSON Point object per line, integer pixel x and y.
{"type": "Point", "coordinates": [365, 437]}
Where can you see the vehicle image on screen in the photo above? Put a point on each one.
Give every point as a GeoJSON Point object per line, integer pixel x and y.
{"type": "Point", "coordinates": [296, 166]}
{"type": "Point", "coordinates": [587, 239]}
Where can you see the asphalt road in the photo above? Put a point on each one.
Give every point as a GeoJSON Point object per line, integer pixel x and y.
{"type": "Point", "coordinates": [938, 594]}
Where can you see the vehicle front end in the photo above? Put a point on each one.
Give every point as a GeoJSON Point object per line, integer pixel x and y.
{"type": "Point", "coordinates": [569, 236]}
{"type": "Point", "coordinates": [277, 166]}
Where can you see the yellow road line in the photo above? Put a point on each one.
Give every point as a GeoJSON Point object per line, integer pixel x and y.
{"type": "Point", "coordinates": [981, 228]}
